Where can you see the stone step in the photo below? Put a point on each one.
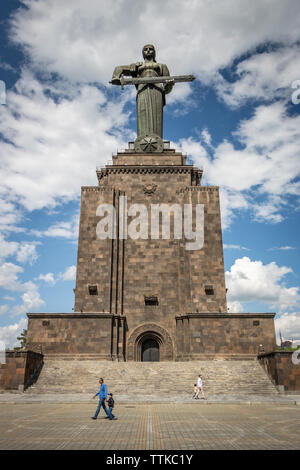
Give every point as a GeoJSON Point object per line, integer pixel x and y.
{"type": "Point", "coordinates": [219, 377]}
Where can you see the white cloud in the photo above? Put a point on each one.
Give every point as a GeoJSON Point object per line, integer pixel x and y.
{"type": "Point", "coordinates": [289, 326]}
{"type": "Point", "coordinates": [267, 162]}
{"type": "Point", "coordinates": [9, 280]}
{"type": "Point", "coordinates": [254, 281]}
{"type": "Point", "coordinates": [48, 278]}
{"type": "Point", "coordinates": [282, 248]}
{"type": "Point", "coordinates": [263, 76]}
{"type": "Point", "coordinates": [10, 216]}
{"type": "Point", "coordinates": [53, 143]}
{"type": "Point", "coordinates": [9, 298]}
{"type": "Point", "coordinates": [24, 252]}
{"type": "Point", "coordinates": [68, 229]}
{"type": "Point", "coordinates": [234, 247]}
{"type": "Point", "coordinates": [235, 307]}
{"type": "Point", "coordinates": [9, 334]}
{"type": "Point", "coordinates": [3, 309]}
{"type": "Point", "coordinates": [27, 253]}
{"type": "Point", "coordinates": [31, 300]}
{"type": "Point", "coordinates": [9, 273]}
{"type": "Point", "coordinates": [85, 43]}
{"type": "Point", "coordinates": [206, 137]}
{"type": "Point", "coordinates": [69, 274]}
{"type": "Point", "coordinates": [7, 248]}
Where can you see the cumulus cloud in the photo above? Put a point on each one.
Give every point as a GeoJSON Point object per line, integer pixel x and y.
{"type": "Point", "coordinates": [10, 215]}
{"type": "Point", "coordinates": [27, 253]}
{"type": "Point", "coordinates": [9, 280]}
{"type": "Point", "coordinates": [235, 307]}
{"type": "Point", "coordinates": [262, 76]}
{"type": "Point", "coordinates": [266, 159]}
{"type": "Point", "coordinates": [7, 248]}
{"type": "Point", "coordinates": [282, 248]}
{"type": "Point", "coordinates": [234, 247]}
{"type": "Point", "coordinates": [3, 309]}
{"type": "Point", "coordinates": [24, 252]}
{"type": "Point", "coordinates": [9, 334]}
{"type": "Point", "coordinates": [76, 41]}
{"type": "Point", "coordinates": [288, 324]}
{"type": "Point", "coordinates": [9, 273]}
{"type": "Point", "coordinates": [52, 144]}
{"type": "Point", "coordinates": [48, 278]}
{"type": "Point", "coordinates": [249, 281]}
{"type": "Point", "coordinates": [64, 229]}
{"type": "Point", "coordinates": [31, 300]}
{"type": "Point", "coordinates": [69, 274]}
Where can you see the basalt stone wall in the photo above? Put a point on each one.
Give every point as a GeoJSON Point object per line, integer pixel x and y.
{"type": "Point", "coordinates": [102, 335]}
{"type": "Point", "coordinates": [96, 258]}
{"type": "Point", "coordinates": [19, 369]}
{"type": "Point", "coordinates": [124, 274]}
{"type": "Point", "coordinates": [204, 268]}
{"type": "Point", "coordinates": [198, 334]}
{"type": "Point", "coordinates": [282, 370]}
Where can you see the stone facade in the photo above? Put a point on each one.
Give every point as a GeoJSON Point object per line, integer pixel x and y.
{"type": "Point", "coordinates": [97, 335]}
{"type": "Point", "coordinates": [20, 369]}
{"type": "Point", "coordinates": [128, 291]}
{"type": "Point", "coordinates": [282, 370]}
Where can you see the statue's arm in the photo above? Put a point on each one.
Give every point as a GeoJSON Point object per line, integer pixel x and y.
{"type": "Point", "coordinates": [127, 70]}
{"type": "Point", "coordinates": [168, 86]}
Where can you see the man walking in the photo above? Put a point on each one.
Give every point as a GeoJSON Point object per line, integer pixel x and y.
{"type": "Point", "coordinates": [102, 397]}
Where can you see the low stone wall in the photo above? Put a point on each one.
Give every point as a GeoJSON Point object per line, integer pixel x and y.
{"type": "Point", "coordinates": [99, 334]}
{"type": "Point", "coordinates": [20, 369]}
{"type": "Point", "coordinates": [224, 333]}
{"type": "Point", "coordinates": [282, 370]}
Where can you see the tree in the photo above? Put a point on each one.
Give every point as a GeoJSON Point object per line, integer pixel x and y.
{"type": "Point", "coordinates": [22, 338]}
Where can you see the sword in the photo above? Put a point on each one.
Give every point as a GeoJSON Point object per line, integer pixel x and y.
{"type": "Point", "coordinates": [148, 80]}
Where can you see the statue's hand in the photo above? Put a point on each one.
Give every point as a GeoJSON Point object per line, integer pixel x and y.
{"type": "Point", "coordinates": [115, 81]}
{"type": "Point", "coordinates": [169, 86]}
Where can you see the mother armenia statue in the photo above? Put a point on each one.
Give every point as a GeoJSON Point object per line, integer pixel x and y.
{"type": "Point", "coordinates": [152, 81]}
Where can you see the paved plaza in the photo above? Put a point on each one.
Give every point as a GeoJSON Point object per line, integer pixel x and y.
{"type": "Point", "coordinates": [165, 426]}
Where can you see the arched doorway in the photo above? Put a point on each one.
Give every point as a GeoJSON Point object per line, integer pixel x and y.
{"type": "Point", "coordinates": [159, 349]}
{"type": "Point", "coordinates": [150, 350]}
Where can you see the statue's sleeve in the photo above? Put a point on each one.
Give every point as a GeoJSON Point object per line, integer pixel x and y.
{"type": "Point", "coordinates": [127, 70]}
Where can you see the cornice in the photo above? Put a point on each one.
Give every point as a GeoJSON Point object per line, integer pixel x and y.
{"type": "Point", "coordinates": [73, 315]}
{"type": "Point", "coordinates": [225, 315]}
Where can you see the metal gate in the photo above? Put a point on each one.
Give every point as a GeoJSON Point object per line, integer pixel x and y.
{"type": "Point", "coordinates": [150, 351]}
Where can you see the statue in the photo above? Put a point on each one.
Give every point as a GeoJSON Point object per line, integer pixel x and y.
{"type": "Point", "coordinates": [152, 81]}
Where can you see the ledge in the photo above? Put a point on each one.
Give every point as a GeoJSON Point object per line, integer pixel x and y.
{"type": "Point", "coordinates": [74, 315]}
{"type": "Point", "coordinates": [273, 353]}
{"type": "Point", "coordinates": [225, 315]}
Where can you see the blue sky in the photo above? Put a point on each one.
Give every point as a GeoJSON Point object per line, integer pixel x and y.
{"type": "Point", "coordinates": [62, 119]}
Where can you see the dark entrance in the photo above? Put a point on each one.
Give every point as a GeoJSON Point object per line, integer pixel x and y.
{"type": "Point", "coordinates": [150, 351]}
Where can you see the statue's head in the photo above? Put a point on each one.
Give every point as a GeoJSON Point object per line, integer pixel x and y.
{"type": "Point", "coordinates": [149, 52]}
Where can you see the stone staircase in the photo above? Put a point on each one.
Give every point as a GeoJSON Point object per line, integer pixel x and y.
{"type": "Point", "coordinates": [162, 379]}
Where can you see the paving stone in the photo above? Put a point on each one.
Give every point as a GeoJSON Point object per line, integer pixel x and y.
{"type": "Point", "coordinates": [150, 426]}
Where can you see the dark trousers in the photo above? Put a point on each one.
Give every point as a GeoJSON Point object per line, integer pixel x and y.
{"type": "Point", "coordinates": [110, 415]}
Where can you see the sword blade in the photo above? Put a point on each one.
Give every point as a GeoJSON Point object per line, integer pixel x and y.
{"type": "Point", "coordinates": [149, 80]}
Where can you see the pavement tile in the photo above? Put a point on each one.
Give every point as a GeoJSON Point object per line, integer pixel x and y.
{"type": "Point", "coordinates": [169, 426]}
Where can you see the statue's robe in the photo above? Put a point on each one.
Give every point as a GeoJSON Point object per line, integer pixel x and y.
{"type": "Point", "coordinates": [150, 99]}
